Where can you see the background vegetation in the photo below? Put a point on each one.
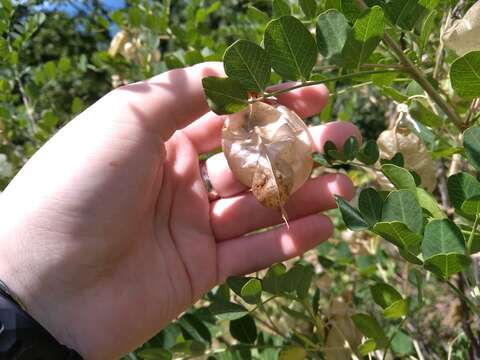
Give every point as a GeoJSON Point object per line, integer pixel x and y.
{"type": "Point", "coordinates": [400, 277]}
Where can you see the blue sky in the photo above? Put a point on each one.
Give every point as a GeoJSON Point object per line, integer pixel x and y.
{"type": "Point", "coordinates": [110, 4]}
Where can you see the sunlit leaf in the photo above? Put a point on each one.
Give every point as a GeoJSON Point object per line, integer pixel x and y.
{"type": "Point", "coordinates": [291, 47]}
{"type": "Point", "coordinates": [363, 40]}
{"type": "Point", "coordinates": [247, 63]}
{"type": "Point", "coordinates": [402, 206]}
{"type": "Point", "coordinates": [465, 75]}
{"type": "Point", "coordinates": [225, 95]}
{"type": "Point", "coordinates": [332, 33]}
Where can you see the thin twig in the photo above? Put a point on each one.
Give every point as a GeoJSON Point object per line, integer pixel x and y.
{"type": "Point", "coordinates": [417, 75]}
{"type": "Point", "coordinates": [472, 234]}
{"type": "Point", "coordinates": [317, 82]}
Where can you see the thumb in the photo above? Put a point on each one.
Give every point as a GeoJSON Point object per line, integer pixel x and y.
{"type": "Point", "coordinates": [162, 104]}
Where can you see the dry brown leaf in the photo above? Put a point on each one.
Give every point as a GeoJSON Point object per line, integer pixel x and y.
{"type": "Point", "coordinates": [463, 35]}
{"type": "Point", "coordinates": [269, 149]}
{"type": "Point", "coordinates": [414, 151]}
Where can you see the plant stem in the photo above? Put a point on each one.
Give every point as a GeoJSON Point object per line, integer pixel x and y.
{"type": "Point", "coordinates": [318, 69]}
{"type": "Point", "coordinates": [464, 298]}
{"type": "Point", "coordinates": [417, 75]}
{"type": "Point", "coordinates": [317, 82]}
{"type": "Point", "coordinates": [353, 87]}
{"type": "Point", "coordinates": [26, 101]}
{"type": "Point", "coordinates": [472, 234]}
{"type": "Point", "coordinates": [311, 313]}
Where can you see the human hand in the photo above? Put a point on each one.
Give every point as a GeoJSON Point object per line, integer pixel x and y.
{"type": "Point", "coordinates": [109, 230]}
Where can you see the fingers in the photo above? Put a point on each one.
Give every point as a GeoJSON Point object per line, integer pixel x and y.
{"type": "Point", "coordinates": [205, 133]}
{"type": "Point", "coordinates": [242, 214]}
{"type": "Point", "coordinates": [224, 182]}
{"type": "Point", "coordinates": [247, 254]}
{"type": "Point", "coordinates": [338, 132]}
{"type": "Point", "coordinates": [164, 103]}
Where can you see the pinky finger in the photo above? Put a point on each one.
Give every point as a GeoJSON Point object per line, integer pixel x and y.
{"type": "Point", "coordinates": [254, 252]}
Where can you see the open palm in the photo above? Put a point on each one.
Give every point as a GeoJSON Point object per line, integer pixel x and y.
{"type": "Point", "coordinates": [111, 231]}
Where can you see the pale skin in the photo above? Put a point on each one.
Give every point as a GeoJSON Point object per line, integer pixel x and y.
{"type": "Point", "coordinates": [108, 233]}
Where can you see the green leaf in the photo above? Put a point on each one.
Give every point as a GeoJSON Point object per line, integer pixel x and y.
{"type": "Point", "coordinates": [309, 8]}
{"type": "Point", "coordinates": [64, 64]}
{"type": "Point", "coordinates": [367, 347]}
{"type": "Point", "coordinates": [465, 75]}
{"type": "Point", "coordinates": [249, 64]}
{"type": "Point", "coordinates": [384, 294]}
{"type": "Point", "coordinates": [195, 328]}
{"type": "Point", "coordinates": [252, 291]}
{"type": "Point", "coordinates": [227, 310]}
{"type": "Point", "coordinates": [332, 33]}
{"type": "Point", "coordinates": [273, 281]}
{"type": "Point", "coordinates": [471, 206]}
{"type": "Point", "coordinates": [396, 159]}
{"type": "Point", "coordinates": [396, 310]}
{"type": "Point", "coordinates": [411, 258]}
{"type": "Point", "coordinates": [471, 143]}
{"type": "Point", "coordinates": [350, 148]}
{"type": "Point", "coordinates": [154, 354]}
{"type": "Point", "coordinates": [351, 216]}
{"type": "Point", "coordinates": [244, 329]}
{"type": "Point", "coordinates": [402, 206]}
{"type": "Point", "coordinates": [368, 153]}
{"type": "Point", "coordinates": [193, 57]}
{"type": "Point", "coordinates": [363, 40]}
{"type": "Point", "coordinates": [292, 353]}
{"type": "Point", "coordinates": [405, 13]}
{"type": "Point", "coordinates": [424, 115]}
{"type": "Point", "coordinates": [257, 15]}
{"type": "Point", "coordinates": [370, 205]}
{"type": "Point", "coordinates": [135, 16]}
{"type": "Point", "coordinates": [173, 62]}
{"type": "Point", "coordinates": [398, 234]}
{"type": "Point", "coordinates": [189, 348]}
{"type": "Point", "coordinates": [291, 47]}
{"type": "Point", "coordinates": [400, 177]}
{"type": "Point", "coordinates": [462, 186]}
{"type": "Point", "coordinates": [280, 8]}
{"type": "Point", "coordinates": [370, 328]}
{"type": "Point", "coordinates": [402, 344]}
{"type": "Point", "coordinates": [445, 265]}
{"type": "Point", "coordinates": [443, 248]}
{"type": "Point", "coordinates": [236, 283]}
{"type": "Point", "coordinates": [331, 152]}
{"type": "Point", "coordinates": [429, 203]}
{"type": "Point", "coordinates": [427, 28]}
{"type": "Point", "coordinates": [442, 236]}
{"type": "Point", "coordinates": [224, 95]}
{"type": "Point", "coordinates": [302, 275]}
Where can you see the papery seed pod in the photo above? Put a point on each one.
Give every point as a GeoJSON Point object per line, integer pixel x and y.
{"type": "Point", "coordinates": [129, 51]}
{"type": "Point", "coordinates": [269, 149]}
{"type": "Point", "coordinates": [402, 139]}
{"type": "Point", "coordinates": [463, 35]}
{"type": "Point", "coordinates": [117, 42]}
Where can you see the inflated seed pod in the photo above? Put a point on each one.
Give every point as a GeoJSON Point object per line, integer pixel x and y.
{"type": "Point", "coordinates": [402, 139]}
{"type": "Point", "coordinates": [463, 35]}
{"type": "Point", "coordinates": [269, 149]}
